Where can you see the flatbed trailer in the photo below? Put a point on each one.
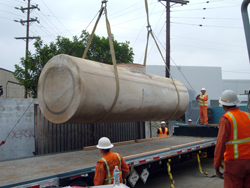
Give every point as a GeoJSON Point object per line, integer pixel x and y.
{"type": "Point", "coordinates": [78, 167]}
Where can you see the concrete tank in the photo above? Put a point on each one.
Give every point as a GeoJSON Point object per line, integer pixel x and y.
{"type": "Point", "coordinates": [76, 90]}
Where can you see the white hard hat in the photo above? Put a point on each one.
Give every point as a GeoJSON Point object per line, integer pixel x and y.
{"type": "Point", "coordinates": [163, 122]}
{"type": "Point", "coordinates": [203, 89]}
{"type": "Point", "coordinates": [104, 143]}
{"type": "Point", "coordinates": [229, 98]}
{"type": "Point", "coordinates": [190, 120]}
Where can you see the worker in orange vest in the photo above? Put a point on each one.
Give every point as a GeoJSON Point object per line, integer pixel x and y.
{"type": "Point", "coordinates": [106, 165]}
{"type": "Point", "coordinates": [233, 143]}
{"type": "Point", "coordinates": [162, 131]}
{"type": "Point", "coordinates": [203, 98]}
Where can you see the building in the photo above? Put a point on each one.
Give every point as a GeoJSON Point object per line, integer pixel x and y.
{"type": "Point", "coordinates": [195, 78]}
{"type": "Point", "coordinates": [239, 86]}
{"type": "Point", "coordinates": [11, 87]}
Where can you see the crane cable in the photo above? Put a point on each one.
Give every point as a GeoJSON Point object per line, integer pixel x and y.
{"type": "Point", "coordinates": [183, 77]}
{"type": "Point", "coordinates": [145, 58]}
{"type": "Point", "coordinates": [81, 36]}
{"type": "Point", "coordinates": [112, 55]}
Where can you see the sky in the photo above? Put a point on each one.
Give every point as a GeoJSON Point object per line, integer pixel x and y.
{"type": "Point", "coordinates": [203, 33]}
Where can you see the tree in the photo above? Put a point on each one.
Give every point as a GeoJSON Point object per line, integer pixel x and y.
{"type": "Point", "coordinates": [99, 51]}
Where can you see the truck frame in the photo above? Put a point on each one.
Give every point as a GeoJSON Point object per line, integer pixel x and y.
{"type": "Point", "coordinates": [77, 168]}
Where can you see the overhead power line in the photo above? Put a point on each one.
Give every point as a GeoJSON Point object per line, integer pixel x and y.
{"type": "Point", "coordinates": [209, 48]}
{"type": "Point", "coordinates": [52, 24]}
{"type": "Point", "coordinates": [12, 13]}
{"type": "Point", "coordinates": [202, 25]}
{"type": "Point", "coordinates": [207, 18]}
{"type": "Point", "coordinates": [203, 8]}
{"type": "Point", "coordinates": [56, 18]}
{"type": "Point", "coordinates": [126, 8]}
{"type": "Point", "coordinates": [6, 5]}
{"type": "Point", "coordinates": [43, 21]}
{"type": "Point", "coordinates": [6, 18]}
{"type": "Point", "coordinates": [208, 41]}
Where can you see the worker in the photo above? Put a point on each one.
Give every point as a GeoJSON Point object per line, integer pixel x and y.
{"type": "Point", "coordinates": [2, 143]}
{"type": "Point", "coordinates": [233, 143]}
{"type": "Point", "coordinates": [106, 165]}
{"type": "Point", "coordinates": [190, 121]}
{"type": "Point", "coordinates": [203, 98]}
{"type": "Point", "coordinates": [162, 131]}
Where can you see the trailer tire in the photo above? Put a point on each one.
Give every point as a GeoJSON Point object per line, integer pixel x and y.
{"type": "Point", "coordinates": [80, 182]}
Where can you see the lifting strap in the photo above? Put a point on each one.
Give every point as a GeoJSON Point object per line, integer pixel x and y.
{"type": "Point", "coordinates": [170, 174]}
{"type": "Point", "coordinates": [112, 55]}
{"type": "Point", "coordinates": [200, 168]}
{"type": "Point", "coordinates": [145, 58]}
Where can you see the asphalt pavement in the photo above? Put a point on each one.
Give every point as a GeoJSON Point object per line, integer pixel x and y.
{"type": "Point", "coordinates": [185, 175]}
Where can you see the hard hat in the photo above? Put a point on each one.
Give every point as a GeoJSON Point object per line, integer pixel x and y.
{"type": "Point", "coordinates": [228, 98]}
{"type": "Point", "coordinates": [190, 120]}
{"type": "Point", "coordinates": [163, 122]}
{"type": "Point", "coordinates": [104, 143]}
{"type": "Point", "coordinates": [203, 89]}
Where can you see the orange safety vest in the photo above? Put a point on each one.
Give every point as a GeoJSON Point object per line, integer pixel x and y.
{"type": "Point", "coordinates": [238, 144]}
{"type": "Point", "coordinates": [201, 102]}
{"type": "Point", "coordinates": [161, 134]}
{"type": "Point", "coordinates": [112, 160]}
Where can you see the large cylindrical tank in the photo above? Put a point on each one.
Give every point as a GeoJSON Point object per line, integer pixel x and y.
{"type": "Point", "coordinates": [76, 90]}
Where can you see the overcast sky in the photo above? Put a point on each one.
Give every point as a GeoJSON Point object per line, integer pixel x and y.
{"type": "Point", "coordinates": [219, 42]}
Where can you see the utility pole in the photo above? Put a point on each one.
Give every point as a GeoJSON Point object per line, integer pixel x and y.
{"type": "Point", "coordinates": [27, 38]}
{"type": "Point", "coordinates": [182, 2]}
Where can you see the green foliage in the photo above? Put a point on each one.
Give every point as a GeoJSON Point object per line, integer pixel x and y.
{"type": "Point", "coordinates": [99, 51]}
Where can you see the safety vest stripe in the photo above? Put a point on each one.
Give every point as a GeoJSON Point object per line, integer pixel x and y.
{"type": "Point", "coordinates": [201, 102]}
{"type": "Point", "coordinates": [235, 125]}
{"type": "Point", "coordinates": [235, 135]}
{"type": "Point", "coordinates": [119, 161]}
{"type": "Point", "coordinates": [109, 176]}
{"type": "Point", "coordinates": [240, 141]}
{"type": "Point", "coordinates": [248, 115]}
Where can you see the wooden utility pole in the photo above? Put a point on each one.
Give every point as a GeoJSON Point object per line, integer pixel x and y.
{"type": "Point", "coordinates": [27, 38]}
{"type": "Point", "coordinates": [183, 2]}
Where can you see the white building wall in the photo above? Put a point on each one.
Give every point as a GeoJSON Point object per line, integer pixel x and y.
{"type": "Point", "coordinates": [239, 86]}
{"type": "Point", "coordinates": [20, 140]}
{"type": "Point", "coordinates": [194, 78]}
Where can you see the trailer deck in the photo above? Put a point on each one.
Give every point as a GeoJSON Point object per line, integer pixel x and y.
{"type": "Point", "coordinates": [38, 168]}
